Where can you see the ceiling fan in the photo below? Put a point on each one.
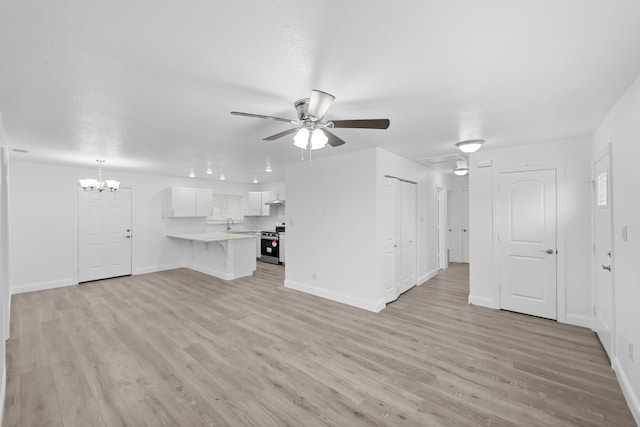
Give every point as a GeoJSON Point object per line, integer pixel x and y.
{"type": "Point", "coordinates": [311, 130]}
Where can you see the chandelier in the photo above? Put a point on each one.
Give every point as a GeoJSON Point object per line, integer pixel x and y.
{"type": "Point", "coordinates": [91, 184]}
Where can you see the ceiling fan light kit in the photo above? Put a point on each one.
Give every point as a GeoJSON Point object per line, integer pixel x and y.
{"type": "Point", "coordinates": [312, 132]}
{"type": "Point", "coordinates": [318, 139]}
{"type": "Point", "coordinates": [470, 146]}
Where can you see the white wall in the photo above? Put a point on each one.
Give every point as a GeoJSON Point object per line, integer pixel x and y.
{"type": "Point", "coordinates": [621, 130]}
{"type": "Point", "coordinates": [43, 210]}
{"type": "Point", "coordinates": [574, 224]}
{"type": "Point", "coordinates": [334, 231]}
{"type": "Point", "coordinates": [5, 296]}
{"type": "Point", "coordinates": [331, 211]}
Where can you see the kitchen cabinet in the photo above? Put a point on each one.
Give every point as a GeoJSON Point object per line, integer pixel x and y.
{"type": "Point", "coordinates": [204, 201]}
{"type": "Point", "coordinates": [188, 202]}
{"type": "Point", "coordinates": [256, 203]}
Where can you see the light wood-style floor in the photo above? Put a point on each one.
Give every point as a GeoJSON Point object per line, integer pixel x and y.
{"type": "Point", "coordinates": [185, 349]}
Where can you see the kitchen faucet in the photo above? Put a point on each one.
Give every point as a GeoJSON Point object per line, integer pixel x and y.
{"type": "Point", "coordinates": [228, 226]}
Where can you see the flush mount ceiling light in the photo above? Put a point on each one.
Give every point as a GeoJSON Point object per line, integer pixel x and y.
{"type": "Point", "coordinates": [470, 146]}
{"type": "Point", "coordinates": [318, 139]}
{"type": "Point", "coordinates": [192, 174]}
{"type": "Point", "coordinates": [209, 171]}
{"type": "Point", "coordinates": [461, 171]}
{"type": "Point", "coordinates": [91, 184]}
{"type": "Point", "coordinates": [222, 177]}
{"type": "Point", "coordinates": [268, 168]}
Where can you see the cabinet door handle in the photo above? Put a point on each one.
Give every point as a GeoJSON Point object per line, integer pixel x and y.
{"type": "Point", "coordinates": [606, 267]}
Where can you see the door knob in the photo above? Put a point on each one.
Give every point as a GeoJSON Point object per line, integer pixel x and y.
{"type": "Point", "coordinates": [606, 267]}
{"type": "Point", "coordinates": [548, 251]}
{"type": "Point", "coordinates": [128, 236]}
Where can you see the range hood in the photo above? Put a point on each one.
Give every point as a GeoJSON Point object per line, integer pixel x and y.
{"type": "Point", "coordinates": [275, 202]}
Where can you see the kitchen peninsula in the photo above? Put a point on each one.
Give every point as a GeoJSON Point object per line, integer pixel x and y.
{"type": "Point", "coordinates": [221, 254]}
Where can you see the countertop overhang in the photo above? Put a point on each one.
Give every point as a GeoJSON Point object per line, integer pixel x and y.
{"type": "Point", "coordinates": [213, 236]}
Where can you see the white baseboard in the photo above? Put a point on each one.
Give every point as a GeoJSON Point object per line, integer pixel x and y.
{"type": "Point", "coordinates": [632, 399]}
{"type": "Point", "coordinates": [157, 268]}
{"type": "Point", "coordinates": [425, 277]}
{"type": "Point", "coordinates": [374, 306]}
{"type": "Point", "coordinates": [578, 320]}
{"type": "Point", "coordinates": [43, 286]}
{"type": "Point", "coordinates": [483, 301]}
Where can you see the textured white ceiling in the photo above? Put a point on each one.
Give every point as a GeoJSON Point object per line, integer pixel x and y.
{"type": "Point", "coordinates": [148, 85]}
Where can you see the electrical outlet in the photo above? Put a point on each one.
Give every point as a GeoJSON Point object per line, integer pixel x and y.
{"type": "Point", "coordinates": [313, 276]}
{"type": "Point", "coordinates": [631, 351]}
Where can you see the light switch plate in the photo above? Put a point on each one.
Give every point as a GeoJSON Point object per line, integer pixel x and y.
{"type": "Point", "coordinates": [624, 233]}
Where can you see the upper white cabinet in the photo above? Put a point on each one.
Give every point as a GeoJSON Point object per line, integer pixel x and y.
{"type": "Point", "coordinates": [189, 202]}
{"type": "Point", "coordinates": [256, 204]}
{"type": "Point", "coordinates": [204, 202]}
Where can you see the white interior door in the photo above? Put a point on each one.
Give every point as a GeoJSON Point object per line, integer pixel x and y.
{"type": "Point", "coordinates": [442, 227]}
{"type": "Point", "coordinates": [464, 231]}
{"type": "Point", "coordinates": [104, 228]}
{"type": "Point", "coordinates": [391, 238]}
{"type": "Point", "coordinates": [527, 242]}
{"type": "Point", "coordinates": [451, 225]}
{"type": "Point", "coordinates": [603, 281]}
{"type": "Point", "coordinates": [408, 227]}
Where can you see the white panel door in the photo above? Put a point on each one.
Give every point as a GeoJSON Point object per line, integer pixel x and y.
{"type": "Point", "coordinates": [104, 228]}
{"type": "Point", "coordinates": [442, 227]}
{"type": "Point", "coordinates": [452, 247]}
{"type": "Point", "coordinates": [527, 242]}
{"type": "Point", "coordinates": [408, 227]}
{"type": "Point", "coordinates": [603, 280]}
{"type": "Point", "coordinates": [464, 231]}
{"type": "Point", "coordinates": [391, 238]}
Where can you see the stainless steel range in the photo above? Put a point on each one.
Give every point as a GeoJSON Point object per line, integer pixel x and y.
{"type": "Point", "coordinates": [270, 247]}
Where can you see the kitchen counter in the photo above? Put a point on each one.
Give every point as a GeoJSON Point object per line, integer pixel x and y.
{"type": "Point", "coordinates": [220, 254]}
{"type": "Point", "coordinates": [215, 236]}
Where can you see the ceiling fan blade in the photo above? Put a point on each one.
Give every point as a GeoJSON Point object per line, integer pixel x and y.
{"type": "Point", "coordinates": [280, 135]}
{"type": "Point", "coordinates": [362, 124]}
{"type": "Point", "coordinates": [333, 140]}
{"type": "Point", "coordinates": [259, 116]}
{"type": "Point", "coordinates": [319, 103]}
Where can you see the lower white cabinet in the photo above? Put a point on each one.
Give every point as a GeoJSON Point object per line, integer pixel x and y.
{"type": "Point", "coordinates": [283, 242]}
{"type": "Point", "coordinates": [258, 244]}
